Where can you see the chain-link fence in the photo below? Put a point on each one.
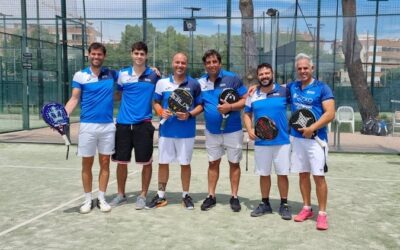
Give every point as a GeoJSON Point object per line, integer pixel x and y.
{"type": "Point", "coordinates": [58, 32]}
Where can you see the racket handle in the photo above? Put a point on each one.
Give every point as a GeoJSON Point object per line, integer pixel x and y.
{"type": "Point", "coordinates": [67, 142]}
{"type": "Point", "coordinates": [223, 124]}
{"type": "Point", "coordinates": [162, 121]}
{"type": "Point", "coordinates": [67, 154]}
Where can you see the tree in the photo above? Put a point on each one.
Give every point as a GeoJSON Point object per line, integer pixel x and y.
{"type": "Point", "coordinates": [248, 40]}
{"type": "Point", "coordinates": [351, 49]}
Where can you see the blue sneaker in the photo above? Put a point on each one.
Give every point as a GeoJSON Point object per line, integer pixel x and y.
{"type": "Point", "coordinates": [284, 211]}
{"type": "Point", "coordinates": [261, 210]}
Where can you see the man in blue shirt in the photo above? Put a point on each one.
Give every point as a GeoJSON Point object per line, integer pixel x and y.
{"type": "Point", "coordinates": [270, 100]}
{"type": "Point", "coordinates": [93, 87]}
{"type": "Point", "coordinates": [135, 131]}
{"type": "Point", "coordinates": [307, 155]}
{"type": "Point", "coordinates": [231, 138]}
{"type": "Point", "coordinates": [177, 133]}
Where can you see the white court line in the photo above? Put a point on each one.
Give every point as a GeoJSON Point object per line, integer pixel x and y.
{"type": "Point", "coordinates": [29, 167]}
{"type": "Point", "coordinates": [52, 210]}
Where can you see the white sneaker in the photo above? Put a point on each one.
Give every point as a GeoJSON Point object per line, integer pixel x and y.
{"type": "Point", "coordinates": [103, 206]}
{"type": "Point", "coordinates": [86, 207]}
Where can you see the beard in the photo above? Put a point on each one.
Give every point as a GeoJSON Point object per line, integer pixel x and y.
{"type": "Point", "coordinates": [265, 82]}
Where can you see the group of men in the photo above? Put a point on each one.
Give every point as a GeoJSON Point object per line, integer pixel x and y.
{"type": "Point", "coordinates": [140, 89]}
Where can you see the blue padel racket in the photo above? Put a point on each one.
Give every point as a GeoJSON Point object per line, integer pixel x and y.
{"type": "Point", "coordinates": [180, 100]}
{"type": "Point", "coordinates": [55, 115]}
{"type": "Point", "coordinates": [304, 118]}
{"type": "Point", "coordinates": [230, 96]}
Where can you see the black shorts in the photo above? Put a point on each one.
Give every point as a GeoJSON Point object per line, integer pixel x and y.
{"type": "Point", "coordinates": [137, 136]}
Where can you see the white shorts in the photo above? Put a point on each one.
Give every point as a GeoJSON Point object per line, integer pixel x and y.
{"type": "Point", "coordinates": [264, 156]}
{"type": "Point", "coordinates": [175, 150]}
{"type": "Point", "coordinates": [92, 136]}
{"type": "Point", "coordinates": [217, 143]}
{"type": "Point", "coordinates": [308, 156]}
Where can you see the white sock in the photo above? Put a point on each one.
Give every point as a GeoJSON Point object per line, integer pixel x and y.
{"type": "Point", "coordinates": [323, 213]}
{"type": "Point", "coordinates": [101, 196]}
{"type": "Point", "coordinates": [88, 196]}
{"type": "Point", "coordinates": [307, 207]}
{"type": "Point", "coordinates": [184, 193]}
{"type": "Point", "coordinates": [161, 194]}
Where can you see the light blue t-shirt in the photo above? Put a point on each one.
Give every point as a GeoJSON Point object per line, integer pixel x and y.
{"type": "Point", "coordinates": [273, 105]}
{"type": "Point", "coordinates": [210, 92]}
{"type": "Point", "coordinates": [311, 97]}
{"type": "Point", "coordinates": [137, 95]}
{"type": "Point", "coordinates": [97, 93]}
{"type": "Point", "coordinates": [174, 128]}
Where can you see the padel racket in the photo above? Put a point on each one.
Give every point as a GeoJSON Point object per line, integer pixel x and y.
{"type": "Point", "coordinates": [304, 118]}
{"type": "Point", "coordinates": [55, 115]}
{"type": "Point", "coordinates": [180, 100]}
{"type": "Point", "coordinates": [265, 128]}
{"type": "Point", "coordinates": [231, 96]}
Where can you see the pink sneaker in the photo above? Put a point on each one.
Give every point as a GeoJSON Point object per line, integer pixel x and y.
{"type": "Point", "coordinates": [304, 215]}
{"type": "Point", "coordinates": [322, 222]}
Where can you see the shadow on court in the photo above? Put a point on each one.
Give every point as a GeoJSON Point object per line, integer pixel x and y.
{"type": "Point", "coordinates": [42, 192]}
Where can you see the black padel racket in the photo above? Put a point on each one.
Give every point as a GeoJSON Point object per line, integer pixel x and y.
{"type": "Point", "coordinates": [231, 96]}
{"type": "Point", "coordinates": [304, 118]}
{"type": "Point", "coordinates": [55, 115]}
{"type": "Point", "coordinates": [265, 128]}
{"type": "Point", "coordinates": [180, 100]}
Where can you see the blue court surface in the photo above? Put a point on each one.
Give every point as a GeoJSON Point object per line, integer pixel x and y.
{"type": "Point", "coordinates": [42, 192]}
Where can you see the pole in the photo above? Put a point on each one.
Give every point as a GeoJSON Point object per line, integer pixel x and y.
{"type": "Point", "coordinates": [334, 45]}
{"type": "Point", "coordinates": [144, 13]}
{"type": "Point", "coordinates": [84, 28]}
{"type": "Point", "coordinates": [318, 38]}
{"type": "Point", "coordinates": [64, 50]}
{"type": "Point", "coordinates": [25, 86]}
{"type": "Point", "coordinates": [39, 61]}
{"type": "Point", "coordinates": [276, 46]}
{"type": "Point", "coordinates": [295, 38]}
{"type": "Point", "coordinates": [228, 33]}
{"type": "Point", "coordinates": [374, 53]}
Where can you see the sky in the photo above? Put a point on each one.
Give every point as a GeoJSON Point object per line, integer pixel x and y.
{"type": "Point", "coordinates": [114, 15]}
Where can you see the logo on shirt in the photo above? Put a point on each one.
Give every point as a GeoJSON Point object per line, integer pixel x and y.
{"type": "Point", "coordinates": [222, 84]}
{"type": "Point", "coordinates": [310, 92]}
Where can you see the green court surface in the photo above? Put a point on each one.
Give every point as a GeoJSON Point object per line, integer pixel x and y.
{"type": "Point", "coordinates": [41, 194]}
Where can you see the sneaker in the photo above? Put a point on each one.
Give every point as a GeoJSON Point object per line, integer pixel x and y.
{"type": "Point", "coordinates": [157, 202]}
{"type": "Point", "coordinates": [261, 210]}
{"type": "Point", "coordinates": [118, 200]}
{"type": "Point", "coordinates": [322, 222]}
{"type": "Point", "coordinates": [86, 207]}
{"type": "Point", "coordinates": [304, 215]}
{"type": "Point", "coordinates": [187, 202]}
{"type": "Point", "coordinates": [103, 206]}
{"type": "Point", "coordinates": [208, 203]}
{"type": "Point", "coordinates": [235, 204]}
{"type": "Point", "coordinates": [284, 211]}
{"type": "Point", "coordinates": [140, 202]}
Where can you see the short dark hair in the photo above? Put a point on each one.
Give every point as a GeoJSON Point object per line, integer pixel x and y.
{"type": "Point", "coordinates": [211, 52]}
{"type": "Point", "coordinates": [97, 45]}
{"type": "Point", "coordinates": [264, 65]}
{"type": "Point", "coordinates": [139, 46]}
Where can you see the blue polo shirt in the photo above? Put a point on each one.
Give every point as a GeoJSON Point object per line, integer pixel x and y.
{"type": "Point", "coordinates": [210, 92]}
{"type": "Point", "coordinates": [137, 95]}
{"type": "Point", "coordinates": [273, 105]}
{"type": "Point", "coordinates": [97, 93]}
{"type": "Point", "coordinates": [311, 97]}
{"type": "Point", "coordinates": [173, 127]}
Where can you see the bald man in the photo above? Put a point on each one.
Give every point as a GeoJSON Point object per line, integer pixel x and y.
{"type": "Point", "coordinates": [177, 133]}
